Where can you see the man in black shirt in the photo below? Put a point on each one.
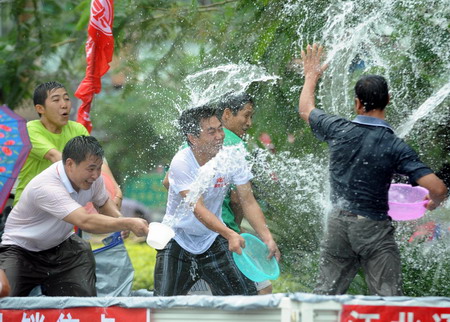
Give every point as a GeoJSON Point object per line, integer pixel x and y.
{"type": "Point", "coordinates": [364, 155]}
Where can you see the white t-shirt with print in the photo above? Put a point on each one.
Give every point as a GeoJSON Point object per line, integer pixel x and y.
{"type": "Point", "coordinates": [211, 181]}
{"type": "Point", "coordinates": [36, 222]}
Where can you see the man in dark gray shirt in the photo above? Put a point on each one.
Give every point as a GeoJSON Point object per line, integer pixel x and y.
{"type": "Point", "coordinates": [364, 155]}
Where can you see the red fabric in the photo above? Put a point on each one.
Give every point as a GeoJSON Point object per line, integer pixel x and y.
{"type": "Point", "coordinates": [99, 53]}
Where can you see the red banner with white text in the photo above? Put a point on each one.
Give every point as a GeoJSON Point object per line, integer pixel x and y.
{"type": "Point", "coordinates": [77, 314]}
{"type": "Point", "coordinates": [391, 313]}
{"type": "Point", "coordinates": [99, 53]}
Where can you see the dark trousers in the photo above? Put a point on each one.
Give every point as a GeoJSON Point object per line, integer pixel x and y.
{"type": "Point", "coordinates": [352, 242]}
{"type": "Point", "coordinates": [65, 270]}
{"type": "Point", "coordinates": [177, 270]}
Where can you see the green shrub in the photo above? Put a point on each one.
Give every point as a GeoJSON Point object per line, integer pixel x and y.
{"type": "Point", "coordinates": [143, 259]}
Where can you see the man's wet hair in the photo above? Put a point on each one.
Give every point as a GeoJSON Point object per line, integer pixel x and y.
{"type": "Point", "coordinates": [235, 102]}
{"type": "Point", "coordinates": [373, 92]}
{"type": "Point", "coordinates": [190, 119]}
{"type": "Point", "coordinates": [81, 147]}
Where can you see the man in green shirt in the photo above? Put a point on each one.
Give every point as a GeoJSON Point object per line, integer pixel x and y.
{"type": "Point", "coordinates": [236, 113]}
{"type": "Point", "coordinates": [50, 133]}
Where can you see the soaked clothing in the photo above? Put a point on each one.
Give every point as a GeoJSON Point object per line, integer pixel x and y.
{"type": "Point", "coordinates": [364, 155]}
{"type": "Point", "coordinates": [177, 270]}
{"type": "Point", "coordinates": [228, 217]}
{"type": "Point", "coordinates": [352, 242]}
{"type": "Point", "coordinates": [65, 270]}
{"type": "Point", "coordinates": [212, 182]}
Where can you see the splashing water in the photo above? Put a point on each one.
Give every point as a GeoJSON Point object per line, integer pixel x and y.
{"type": "Point", "coordinates": [208, 85]}
{"type": "Point", "coordinates": [426, 108]}
{"type": "Point", "coordinates": [370, 37]}
{"type": "Point", "coordinates": [376, 37]}
{"type": "Point", "coordinates": [230, 159]}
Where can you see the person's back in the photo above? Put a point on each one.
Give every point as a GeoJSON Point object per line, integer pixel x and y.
{"type": "Point", "coordinates": [363, 159]}
{"type": "Point", "coordinates": [364, 155]}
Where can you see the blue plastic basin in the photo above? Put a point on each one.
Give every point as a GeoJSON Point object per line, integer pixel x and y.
{"type": "Point", "coordinates": [253, 262]}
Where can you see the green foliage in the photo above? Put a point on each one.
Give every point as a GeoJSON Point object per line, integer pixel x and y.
{"type": "Point", "coordinates": [131, 139]}
{"type": "Point", "coordinates": [143, 259]}
{"type": "Point", "coordinates": [39, 37]}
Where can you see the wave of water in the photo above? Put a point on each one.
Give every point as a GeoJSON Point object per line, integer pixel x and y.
{"type": "Point", "coordinates": [425, 109]}
{"type": "Point", "coordinates": [209, 85]}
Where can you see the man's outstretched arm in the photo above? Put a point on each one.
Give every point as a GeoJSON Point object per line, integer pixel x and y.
{"type": "Point", "coordinates": [255, 217]}
{"type": "Point", "coordinates": [312, 69]}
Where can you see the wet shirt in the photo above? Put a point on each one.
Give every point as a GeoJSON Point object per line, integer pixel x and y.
{"type": "Point", "coordinates": [37, 223]}
{"type": "Point", "coordinates": [228, 216]}
{"type": "Point", "coordinates": [364, 155]}
{"type": "Point", "coordinates": [211, 181]}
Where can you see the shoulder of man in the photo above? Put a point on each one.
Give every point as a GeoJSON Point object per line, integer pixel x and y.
{"type": "Point", "coordinates": [47, 175]}
{"type": "Point", "coordinates": [183, 156]}
{"type": "Point", "coordinates": [231, 138]}
{"type": "Point", "coordinates": [319, 113]}
{"type": "Point", "coordinates": [76, 127]}
{"type": "Point", "coordinates": [35, 125]}
{"type": "Point", "coordinates": [319, 118]}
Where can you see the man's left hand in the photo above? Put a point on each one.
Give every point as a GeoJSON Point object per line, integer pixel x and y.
{"type": "Point", "coordinates": [273, 250]}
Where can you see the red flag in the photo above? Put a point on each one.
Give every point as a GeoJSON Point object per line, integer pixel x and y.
{"type": "Point", "coordinates": [99, 53]}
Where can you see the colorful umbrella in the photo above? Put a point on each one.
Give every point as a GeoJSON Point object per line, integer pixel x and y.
{"type": "Point", "coordinates": [14, 148]}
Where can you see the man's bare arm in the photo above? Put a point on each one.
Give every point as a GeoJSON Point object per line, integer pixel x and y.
{"type": "Point", "coordinates": [53, 155]}
{"type": "Point", "coordinates": [210, 220]}
{"type": "Point", "coordinates": [312, 69]}
{"type": "Point", "coordinates": [4, 284]}
{"type": "Point", "coordinates": [436, 188]}
{"type": "Point", "coordinates": [101, 224]}
{"type": "Point", "coordinates": [255, 217]}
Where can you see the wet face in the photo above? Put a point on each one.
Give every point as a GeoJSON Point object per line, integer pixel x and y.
{"type": "Point", "coordinates": [241, 122]}
{"type": "Point", "coordinates": [211, 137]}
{"type": "Point", "coordinates": [56, 110]}
{"type": "Point", "coordinates": [83, 175]}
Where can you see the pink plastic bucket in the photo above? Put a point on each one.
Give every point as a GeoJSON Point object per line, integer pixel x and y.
{"type": "Point", "coordinates": [407, 202]}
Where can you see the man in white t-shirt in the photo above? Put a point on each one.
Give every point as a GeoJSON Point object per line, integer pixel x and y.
{"type": "Point", "coordinates": [202, 244]}
{"type": "Point", "coordinates": [39, 246]}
